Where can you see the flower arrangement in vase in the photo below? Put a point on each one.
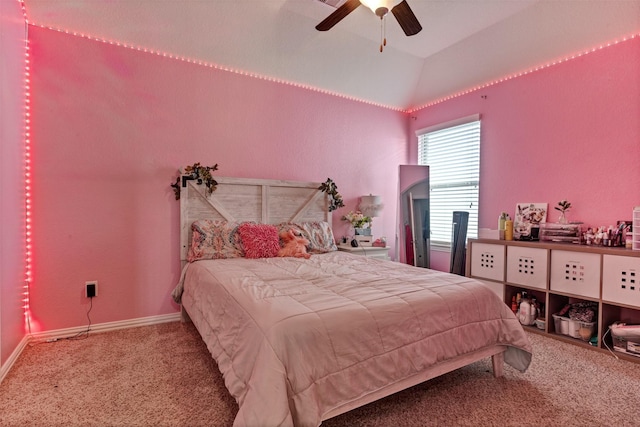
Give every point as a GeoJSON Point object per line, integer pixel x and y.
{"type": "Point", "coordinates": [360, 222]}
{"type": "Point", "coordinates": [563, 206]}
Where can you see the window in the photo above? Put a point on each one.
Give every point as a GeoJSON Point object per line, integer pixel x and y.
{"type": "Point", "coordinates": [452, 152]}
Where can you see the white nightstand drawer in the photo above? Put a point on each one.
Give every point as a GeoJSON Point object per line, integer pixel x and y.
{"type": "Point", "coordinates": [487, 261]}
{"type": "Point", "coordinates": [527, 267]}
{"type": "Point", "coordinates": [575, 273]}
{"type": "Point", "coordinates": [368, 251]}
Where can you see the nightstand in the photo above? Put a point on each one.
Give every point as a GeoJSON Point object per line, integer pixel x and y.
{"type": "Point", "coordinates": [368, 251]}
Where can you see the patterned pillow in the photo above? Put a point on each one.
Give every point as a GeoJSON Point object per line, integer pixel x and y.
{"type": "Point", "coordinates": [259, 240]}
{"type": "Point", "coordinates": [214, 239]}
{"type": "Point", "coordinates": [319, 234]}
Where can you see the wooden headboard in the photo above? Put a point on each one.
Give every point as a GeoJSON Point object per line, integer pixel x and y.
{"type": "Point", "coordinates": [245, 199]}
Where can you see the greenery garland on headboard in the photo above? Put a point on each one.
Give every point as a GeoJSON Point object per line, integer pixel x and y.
{"type": "Point", "coordinates": [202, 175]}
{"type": "Point", "coordinates": [331, 189]}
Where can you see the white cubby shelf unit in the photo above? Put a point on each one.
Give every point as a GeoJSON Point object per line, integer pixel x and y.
{"type": "Point", "coordinates": [557, 274]}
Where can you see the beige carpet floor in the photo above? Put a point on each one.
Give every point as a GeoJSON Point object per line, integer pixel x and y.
{"type": "Point", "coordinates": [163, 375]}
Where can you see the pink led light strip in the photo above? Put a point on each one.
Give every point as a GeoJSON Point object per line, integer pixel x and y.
{"type": "Point", "coordinates": [217, 67]}
{"type": "Point", "coordinates": [28, 273]}
{"type": "Point", "coordinates": [523, 73]}
{"type": "Point", "coordinates": [327, 92]}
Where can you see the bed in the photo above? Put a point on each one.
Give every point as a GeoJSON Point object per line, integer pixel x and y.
{"type": "Point", "coordinates": [299, 340]}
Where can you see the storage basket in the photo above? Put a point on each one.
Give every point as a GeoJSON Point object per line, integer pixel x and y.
{"type": "Point", "coordinates": [586, 330]}
{"type": "Point", "coordinates": [574, 328]}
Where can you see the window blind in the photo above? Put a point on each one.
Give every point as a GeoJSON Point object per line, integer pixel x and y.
{"type": "Point", "coordinates": [453, 156]}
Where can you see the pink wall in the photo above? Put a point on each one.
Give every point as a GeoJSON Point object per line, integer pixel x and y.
{"type": "Point", "coordinates": [570, 131]}
{"type": "Point", "coordinates": [112, 126]}
{"type": "Point", "coordinates": [12, 247]}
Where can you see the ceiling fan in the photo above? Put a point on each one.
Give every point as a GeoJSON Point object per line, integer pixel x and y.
{"type": "Point", "coordinates": [400, 9]}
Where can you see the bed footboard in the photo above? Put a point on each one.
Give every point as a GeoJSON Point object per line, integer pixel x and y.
{"type": "Point", "coordinates": [497, 358]}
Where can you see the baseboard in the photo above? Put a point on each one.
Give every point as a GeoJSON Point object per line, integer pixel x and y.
{"type": "Point", "coordinates": [105, 327]}
{"type": "Point", "coordinates": [4, 369]}
{"type": "Point", "coordinates": [69, 332]}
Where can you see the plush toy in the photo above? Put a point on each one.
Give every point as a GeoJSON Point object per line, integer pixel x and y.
{"type": "Point", "coordinates": [294, 245]}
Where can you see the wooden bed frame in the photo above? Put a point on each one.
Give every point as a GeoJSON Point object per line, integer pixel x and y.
{"type": "Point", "coordinates": [273, 202]}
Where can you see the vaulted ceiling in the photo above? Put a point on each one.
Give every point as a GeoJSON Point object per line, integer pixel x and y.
{"type": "Point", "coordinates": [464, 43]}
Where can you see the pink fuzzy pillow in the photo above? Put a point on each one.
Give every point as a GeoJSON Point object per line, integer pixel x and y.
{"type": "Point", "coordinates": [259, 240]}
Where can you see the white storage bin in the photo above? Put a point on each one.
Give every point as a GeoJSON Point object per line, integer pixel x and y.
{"type": "Point", "coordinates": [487, 261]}
{"type": "Point", "coordinates": [575, 273]}
{"type": "Point", "coordinates": [621, 279]}
{"type": "Point", "coordinates": [527, 267]}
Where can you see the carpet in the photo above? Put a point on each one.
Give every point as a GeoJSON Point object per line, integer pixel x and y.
{"type": "Point", "coordinates": [163, 375]}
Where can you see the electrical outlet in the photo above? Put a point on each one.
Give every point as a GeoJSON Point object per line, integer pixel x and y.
{"type": "Point", "coordinates": [91, 289]}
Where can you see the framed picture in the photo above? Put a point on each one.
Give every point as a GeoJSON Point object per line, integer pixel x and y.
{"type": "Point", "coordinates": [528, 216]}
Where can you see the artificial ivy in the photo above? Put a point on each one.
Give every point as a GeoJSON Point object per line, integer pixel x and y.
{"type": "Point", "coordinates": [331, 189]}
{"type": "Point", "coordinates": [201, 174]}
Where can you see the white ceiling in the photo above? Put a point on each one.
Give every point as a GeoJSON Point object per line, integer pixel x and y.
{"type": "Point", "coordinates": [463, 44]}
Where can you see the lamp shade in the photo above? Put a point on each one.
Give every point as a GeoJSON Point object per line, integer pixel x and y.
{"type": "Point", "coordinates": [371, 205]}
{"type": "Point", "coordinates": [375, 4]}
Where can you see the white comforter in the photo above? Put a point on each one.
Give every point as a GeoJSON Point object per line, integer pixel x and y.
{"type": "Point", "coordinates": [296, 338]}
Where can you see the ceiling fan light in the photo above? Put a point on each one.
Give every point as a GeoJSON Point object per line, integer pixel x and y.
{"type": "Point", "coordinates": [375, 5]}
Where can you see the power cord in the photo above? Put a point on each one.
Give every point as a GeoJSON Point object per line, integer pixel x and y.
{"type": "Point", "coordinates": [84, 334]}
{"type": "Point", "coordinates": [79, 336]}
{"type": "Point", "coordinates": [605, 343]}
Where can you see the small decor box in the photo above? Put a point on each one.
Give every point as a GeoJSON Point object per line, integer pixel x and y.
{"type": "Point", "coordinates": [364, 240]}
{"type": "Point", "coordinates": [566, 233]}
{"type": "Point", "coordinates": [362, 231]}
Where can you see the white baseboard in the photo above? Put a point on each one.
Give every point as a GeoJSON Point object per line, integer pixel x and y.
{"type": "Point", "coordinates": [4, 369]}
{"type": "Point", "coordinates": [105, 327]}
{"type": "Point", "coordinates": [69, 332]}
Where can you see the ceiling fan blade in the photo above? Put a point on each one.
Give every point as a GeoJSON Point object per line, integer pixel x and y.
{"type": "Point", "coordinates": [338, 15]}
{"type": "Point", "coordinates": [405, 17]}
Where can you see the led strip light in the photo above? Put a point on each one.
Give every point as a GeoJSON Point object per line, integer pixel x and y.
{"type": "Point", "coordinates": [217, 66]}
{"type": "Point", "coordinates": [28, 232]}
{"type": "Point", "coordinates": [524, 73]}
{"type": "Point", "coordinates": [327, 92]}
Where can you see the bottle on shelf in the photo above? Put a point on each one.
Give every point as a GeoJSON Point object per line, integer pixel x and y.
{"type": "Point", "coordinates": [508, 228]}
{"type": "Point", "coordinates": [502, 219]}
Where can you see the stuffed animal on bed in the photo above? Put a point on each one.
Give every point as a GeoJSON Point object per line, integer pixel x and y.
{"type": "Point", "coordinates": [294, 245]}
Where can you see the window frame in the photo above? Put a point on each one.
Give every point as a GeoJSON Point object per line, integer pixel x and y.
{"type": "Point", "coordinates": [473, 213]}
